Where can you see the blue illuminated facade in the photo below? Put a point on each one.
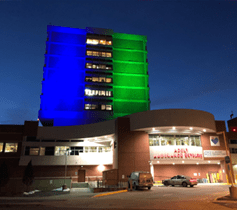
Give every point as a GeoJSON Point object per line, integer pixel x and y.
{"type": "Point", "coordinates": [77, 86]}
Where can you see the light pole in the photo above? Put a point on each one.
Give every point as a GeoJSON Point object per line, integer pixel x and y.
{"type": "Point", "coordinates": [66, 152]}
{"type": "Point", "coordinates": [230, 167]}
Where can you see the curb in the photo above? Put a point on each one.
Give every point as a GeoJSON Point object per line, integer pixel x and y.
{"type": "Point", "coordinates": [110, 193]}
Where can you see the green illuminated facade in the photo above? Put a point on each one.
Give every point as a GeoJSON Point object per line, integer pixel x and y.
{"type": "Point", "coordinates": [130, 74]}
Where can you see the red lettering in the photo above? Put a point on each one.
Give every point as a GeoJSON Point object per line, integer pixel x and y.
{"type": "Point", "coordinates": [187, 150]}
{"type": "Point", "coordinates": [178, 150]}
{"type": "Point", "coordinates": [175, 150]}
{"type": "Point", "coordinates": [178, 155]}
{"type": "Point", "coordinates": [168, 156]}
{"type": "Point", "coordinates": [161, 155]}
{"type": "Point", "coordinates": [182, 150]}
{"type": "Point", "coordinates": [171, 156]}
{"type": "Point", "coordinates": [175, 156]}
{"type": "Point", "coordinates": [186, 155]}
{"type": "Point", "coordinates": [154, 156]}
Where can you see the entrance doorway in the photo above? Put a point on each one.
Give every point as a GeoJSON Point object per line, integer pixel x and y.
{"type": "Point", "coordinates": [81, 175]}
{"type": "Point", "coordinates": [213, 177]}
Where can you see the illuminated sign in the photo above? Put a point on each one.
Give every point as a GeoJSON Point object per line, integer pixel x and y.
{"type": "Point", "coordinates": [214, 141]}
{"type": "Point", "coordinates": [214, 153]}
{"type": "Point", "coordinates": [179, 153]}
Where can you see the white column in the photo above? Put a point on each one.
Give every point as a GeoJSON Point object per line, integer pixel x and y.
{"type": "Point", "coordinates": [152, 171]}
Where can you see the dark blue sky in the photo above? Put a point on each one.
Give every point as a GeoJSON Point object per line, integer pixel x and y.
{"type": "Point", "coordinates": [192, 50]}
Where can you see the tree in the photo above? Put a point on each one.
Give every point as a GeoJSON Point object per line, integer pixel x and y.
{"type": "Point", "coordinates": [28, 177]}
{"type": "Point", "coordinates": [4, 174]}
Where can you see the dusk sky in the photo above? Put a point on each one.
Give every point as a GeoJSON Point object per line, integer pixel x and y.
{"type": "Point", "coordinates": [192, 50]}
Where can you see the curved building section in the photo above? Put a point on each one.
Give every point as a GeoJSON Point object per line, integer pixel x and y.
{"type": "Point", "coordinates": [173, 121]}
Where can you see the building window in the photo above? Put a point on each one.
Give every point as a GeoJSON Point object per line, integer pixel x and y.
{"type": "Point", "coordinates": [98, 79]}
{"type": "Point", "coordinates": [106, 107]}
{"type": "Point", "coordinates": [182, 140]}
{"type": "Point", "coordinates": [98, 41]}
{"type": "Point", "coordinates": [11, 147]}
{"type": "Point", "coordinates": [90, 149]}
{"type": "Point", "coordinates": [98, 53]}
{"type": "Point", "coordinates": [91, 106]}
{"type": "Point", "coordinates": [97, 66]}
{"type": "Point", "coordinates": [89, 92]}
{"type": "Point", "coordinates": [34, 151]}
{"type": "Point", "coordinates": [195, 141]}
{"type": "Point", "coordinates": [42, 151]}
{"type": "Point", "coordinates": [104, 149]}
{"type": "Point", "coordinates": [61, 150]}
{"type": "Point", "coordinates": [233, 141]}
{"type": "Point", "coordinates": [76, 150]}
{"type": "Point", "coordinates": [49, 151]}
{"type": "Point", "coordinates": [1, 146]}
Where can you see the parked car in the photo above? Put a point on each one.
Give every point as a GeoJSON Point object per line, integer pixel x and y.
{"type": "Point", "coordinates": [140, 179]}
{"type": "Point", "coordinates": [180, 180]}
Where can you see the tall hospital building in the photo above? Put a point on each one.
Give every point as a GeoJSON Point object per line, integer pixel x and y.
{"type": "Point", "coordinates": [96, 117]}
{"type": "Point", "coordinates": [92, 75]}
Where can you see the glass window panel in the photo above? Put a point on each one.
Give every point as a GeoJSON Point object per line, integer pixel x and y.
{"type": "Point", "coordinates": [108, 107]}
{"type": "Point", "coordinates": [100, 149]}
{"type": "Point", "coordinates": [34, 151]}
{"type": "Point", "coordinates": [108, 80]}
{"type": "Point", "coordinates": [87, 106]}
{"type": "Point", "coordinates": [86, 149]}
{"type": "Point", "coordinates": [11, 147]}
{"type": "Point", "coordinates": [89, 53]}
{"type": "Point", "coordinates": [42, 150]}
{"type": "Point", "coordinates": [93, 66]}
{"type": "Point", "coordinates": [150, 142]}
{"type": "Point", "coordinates": [163, 142]}
{"type": "Point", "coordinates": [178, 142]}
{"type": "Point", "coordinates": [61, 150]}
{"type": "Point", "coordinates": [198, 142]}
{"type": "Point", "coordinates": [108, 55]}
{"type": "Point", "coordinates": [109, 43]}
{"type": "Point", "coordinates": [1, 146]}
{"type": "Point", "coordinates": [107, 149]}
{"type": "Point", "coordinates": [102, 107]}
{"type": "Point", "coordinates": [93, 106]}
{"type": "Point", "coordinates": [92, 149]}
{"type": "Point", "coordinates": [102, 93]}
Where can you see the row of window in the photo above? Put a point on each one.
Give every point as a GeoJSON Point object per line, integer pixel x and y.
{"type": "Point", "coordinates": [233, 141]}
{"type": "Point", "coordinates": [62, 150]}
{"type": "Point", "coordinates": [164, 140]}
{"type": "Point", "coordinates": [106, 93]}
{"type": "Point", "coordinates": [233, 150]}
{"type": "Point", "coordinates": [98, 41]}
{"type": "Point", "coordinates": [99, 53]}
{"type": "Point", "coordinates": [97, 66]}
{"type": "Point", "coordinates": [99, 79]}
{"type": "Point", "coordinates": [9, 147]}
{"type": "Point", "coordinates": [98, 107]}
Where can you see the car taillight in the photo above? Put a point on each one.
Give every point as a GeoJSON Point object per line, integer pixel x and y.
{"type": "Point", "coordinates": [193, 180]}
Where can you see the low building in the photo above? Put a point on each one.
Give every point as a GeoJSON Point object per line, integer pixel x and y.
{"type": "Point", "coordinates": [165, 142]}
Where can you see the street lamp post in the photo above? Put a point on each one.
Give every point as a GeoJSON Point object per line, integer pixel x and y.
{"type": "Point", "coordinates": [66, 153]}
{"type": "Point", "coordinates": [230, 167]}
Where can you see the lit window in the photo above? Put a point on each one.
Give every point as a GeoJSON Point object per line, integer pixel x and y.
{"type": "Point", "coordinates": [92, 149]}
{"type": "Point", "coordinates": [100, 149]}
{"type": "Point", "coordinates": [1, 147]}
{"type": "Point", "coordinates": [108, 55]}
{"type": "Point", "coordinates": [87, 106]}
{"type": "Point", "coordinates": [90, 53]}
{"type": "Point", "coordinates": [11, 147]}
{"type": "Point", "coordinates": [61, 150]}
{"type": "Point", "coordinates": [34, 151]}
{"type": "Point", "coordinates": [109, 43]}
{"type": "Point", "coordinates": [95, 79]}
{"type": "Point", "coordinates": [102, 107]}
{"type": "Point", "coordinates": [42, 151]}
{"type": "Point", "coordinates": [108, 107]}
{"type": "Point", "coordinates": [108, 80]}
{"type": "Point", "coordinates": [101, 79]}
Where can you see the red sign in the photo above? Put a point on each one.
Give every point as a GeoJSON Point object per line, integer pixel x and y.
{"type": "Point", "coordinates": [179, 153]}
